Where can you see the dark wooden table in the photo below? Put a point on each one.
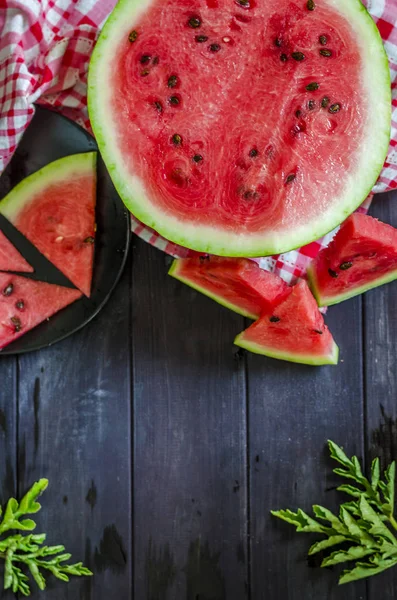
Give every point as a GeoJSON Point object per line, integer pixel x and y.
{"type": "Point", "coordinates": [165, 451]}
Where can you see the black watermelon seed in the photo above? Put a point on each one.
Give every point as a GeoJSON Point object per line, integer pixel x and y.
{"type": "Point", "coordinates": [194, 22]}
{"type": "Point", "coordinates": [274, 319]}
{"type": "Point", "coordinates": [345, 266]}
{"type": "Point", "coordinates": [8, 290]}
{"type": "Point", "coordinates": [253, 152]}
{"type": "Point", "coordinates": [89, 240]}
{"type": "Point", "coordinates": [214, 48]}
{"type": "Point", "coordinates": [332, 273]}
{"type": "Point", "coordinates": [298, 114]}
{"type": "Point", "coordinates": [323, 40]}
{"type": "Point", "coordinates": [298, 56]}
{"type": "Point", "coordinates": [172, 81]}
{"type": "Point", "coordinates": [145, 73]}
{"type": "Point", "coordinates": [197, 158]}
{"type": "Point", "coordinates": [158, 106]}
{"type": "Point", "coordinates": [290, 178]}
{"type": "Point", "coordinates": [311, 105]}
{"type": "Point", "coordinates": [133, 36]}
{"type": "Point", "coordinates": [16, 321]}
{"type": "Point", "coordinates": [325, 102]}
{"type": "Point", "coordinates": [244, 3]}
{"type": "Point", "coordinates": [204, 259]}
{"type": "Point", "coordinates": [177, 139]}
{"type": "Point", "coordinates": [310, 5]}
{"type": "Point", "coordinates": [155, 60]}
{"type": "Point", "coordinates": [283, 58]}
{"type": "Point", "coordinates": [326, 52]}
{"type": "Point", "coordinates": [201, 38]}
{"type": "Point", "coordinates": [278, 42]}
{"type": "Point", "coordinates": [335, 108]}
{"type": "Point", "coordinates": [311, 87]}
{"type": "Point", "coordinates": [20, 305]}
{"type": "Point", "coordinates": [174, 100]}
{"type": "Point", "coordinates": [318, 331]}
{"type": "Point", "coordinates": [145, 59]}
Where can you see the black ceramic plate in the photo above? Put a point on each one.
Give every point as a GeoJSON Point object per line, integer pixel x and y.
{"type": "Point", "coordinates": [48, 137]}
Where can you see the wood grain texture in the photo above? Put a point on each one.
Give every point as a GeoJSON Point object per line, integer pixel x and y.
{"type": "Point", "coordinates": [380, 327]}
{"type": "Point", "coordinates": [74, 429]}
{"type": "Point", "coordinates": [293, 411]}
{"type": "Point", "coordinates": [189, 441]}
{"type": "Point", "coordinates": [8, 427]}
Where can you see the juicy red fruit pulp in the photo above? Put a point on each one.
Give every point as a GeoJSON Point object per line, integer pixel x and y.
{"type": "Point", "coordinates": [245, 112]}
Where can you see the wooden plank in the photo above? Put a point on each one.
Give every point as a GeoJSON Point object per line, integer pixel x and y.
{"type": "Point", "coordinates": [8, 427]}
{"type": "Point", "coordinates": [293, 411]}
{"type": "Point", "coordinates": [190, 440]}
{"type": "Point", "coordinates": [381, 379]}
{"type": "Point", "coordinates": [74, 429]}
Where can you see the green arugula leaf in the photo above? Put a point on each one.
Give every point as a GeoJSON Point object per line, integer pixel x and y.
{"type": "Point", "coordinates": [17, 550]}
{"type": "Point", "coordinates": [366, 523]}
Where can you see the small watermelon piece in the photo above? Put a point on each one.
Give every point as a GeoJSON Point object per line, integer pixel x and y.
{"type": "Point", "coordinates": [362, 255]}
{"type": "Point", "coordinates": [24, 303]}
{"type": "Point", "coordinates": [10, 258]}
{"type": "Point", "coordinates": [239, 127]}
{"type": "Point", "coordinates": [237, 283]}
{"type": "Point", "coordinates": [294, 331]}
{"type": "Point", "coordinates": [55, 209]}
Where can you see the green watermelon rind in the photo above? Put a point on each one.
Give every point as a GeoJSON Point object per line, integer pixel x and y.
{"type": "Point", "coordinates": [23, 193]}
{"type": "Point", "coordinates": [323, 300]}
{"type": "Point", "coordinates": [173, 271]}
{"type": "Point", "coordinates": [305, 359]}
{"type": "Point", "coordinates": [215, 240]}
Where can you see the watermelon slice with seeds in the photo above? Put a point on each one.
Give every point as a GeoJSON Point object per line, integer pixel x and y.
{"type": "Point", "coordinates": [55, 209]}
{"type": "Point", "coordinates": [24, 303]}
{"type": "Point", "coordinates": [239, 127]}
{"type": "Point", "coordinates": [293, 331]}
{"type": "Point", "coordinates": [10, 258]}
{"type": "Point", "coordinates": [362, 255]}
{"type": "Point", "coordinates": [237, 283]}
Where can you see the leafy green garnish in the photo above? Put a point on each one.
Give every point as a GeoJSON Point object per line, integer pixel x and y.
{"type": "Point", "coordinates": [28, 550]}
{"type": "Point", "coordinates": [364, 525]}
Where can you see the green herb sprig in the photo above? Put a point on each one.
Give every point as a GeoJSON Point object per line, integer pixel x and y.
{"type": "Point", "coordinates": [364, 526]}
{"type": "Point", "coordinates": [18, 550]}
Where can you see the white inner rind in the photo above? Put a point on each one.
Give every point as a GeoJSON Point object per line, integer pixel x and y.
{"type": "Point", "coordinates": [205, 238]}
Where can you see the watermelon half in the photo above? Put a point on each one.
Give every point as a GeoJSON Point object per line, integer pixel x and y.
{"type": "Point", "coordinates": [294, 331]}
{"type": "Point", "coordinates": [24, 303]}
{"type": "Point", "coordinates": [237, 283]}
{"type": "Point", "coordinates": [10, 258]}
{"type": "Point", "coordinates": [55, 209]}
{"type": "Point", "coordinates": [238, 127]}
{"type": "Point", "coordinates": [362, 255]}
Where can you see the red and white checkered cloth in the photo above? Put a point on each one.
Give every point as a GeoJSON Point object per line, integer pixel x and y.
{"type": "Point", "coordinates": [45, 47]}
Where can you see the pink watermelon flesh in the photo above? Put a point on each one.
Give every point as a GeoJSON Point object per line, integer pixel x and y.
{"type": "Point", "coordinates": [255, 143]}
{"type": "Point", "coordinates": [25, 303]}
{"type": "Point", "coordinates": [10, 258]}
{"type": "Point", "coordinates": [294, 331]}
{"type": "Point", "coordinates": [237, 283]}
{"type": "Point", "coordinates": [362, 255]}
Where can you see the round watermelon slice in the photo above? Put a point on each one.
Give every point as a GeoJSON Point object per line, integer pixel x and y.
{"type": "Point", "coordinates": [293, 331]}
{"type": "Point", "coordinates": [55, 209]}
{"type": "Point", "coordinates": [362, 255]}
{"type": "Point", "coordinates": [237, 283]}
{"type": "Point", "coordinates": [238, 127]}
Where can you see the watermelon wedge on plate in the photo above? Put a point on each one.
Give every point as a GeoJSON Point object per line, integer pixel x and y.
{"type": "Point", "coordinates": [238, 127]}
{"type": "Point", "coordinates": [362, 255]}
{"type": "Point", "coordinates": [293, 331]}
{"type": "Point", "coordinates": [24, 303]}
{"type": "Point", "coordinates": [10, 258]}
{"type": "Point", "coordinates": [55, 209]}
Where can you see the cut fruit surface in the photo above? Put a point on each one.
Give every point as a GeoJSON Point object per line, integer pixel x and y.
{"type": "Point", "coordinates": [55, 209]}
{"type": "Point", "coordinates": [10, 258]}
{"type": "Point", "coordinates": [362, 255]}
{"type": "Point", "coordinates": [237, 283]}
{"type": "Point", "coordinates": [25, 303]}
{"type": "Point", "coordinates": [294, 331]}
{"type": "Point", "coordinates": [241, 128]}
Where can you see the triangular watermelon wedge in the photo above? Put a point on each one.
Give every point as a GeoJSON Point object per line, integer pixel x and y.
{"type": "Point", "coordinates": [10, 258]}
{"type": "Point", "coordinates": [24, 303]}
{"type": "Point", "coordinates": [55, 209]}
{"type": "Point", "coordinates": [294, 331]}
